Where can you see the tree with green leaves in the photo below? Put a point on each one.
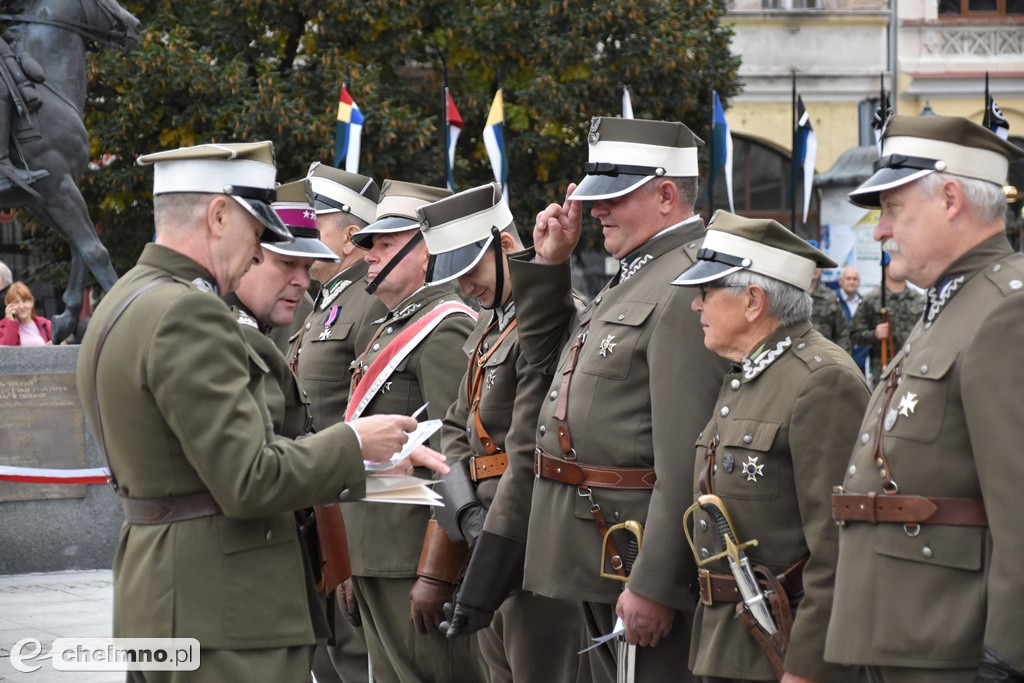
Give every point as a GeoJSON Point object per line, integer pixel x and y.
{"type": "Point", "coordinates": [233, 70]}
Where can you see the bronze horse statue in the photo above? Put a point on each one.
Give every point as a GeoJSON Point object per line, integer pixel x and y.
{"type": "Point", "coordinates": [52, 141]}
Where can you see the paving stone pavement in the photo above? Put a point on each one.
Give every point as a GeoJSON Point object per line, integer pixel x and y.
{"type": "Point", "coordinates": [74, 604]}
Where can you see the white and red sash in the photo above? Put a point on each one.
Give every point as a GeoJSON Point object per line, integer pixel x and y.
{"type": "Point", "coordinates": [395, 352]}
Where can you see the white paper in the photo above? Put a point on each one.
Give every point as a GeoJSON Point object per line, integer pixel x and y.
{"type": "Point", "coordinates": [400, 488]}
{"type": "Point", "coordinates": [424, 430]}
{"type": "Point", "coordinates": [620, 629]}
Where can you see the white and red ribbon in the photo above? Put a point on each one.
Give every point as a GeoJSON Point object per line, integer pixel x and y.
{"type": "Point", "coordinates": [37, 475]}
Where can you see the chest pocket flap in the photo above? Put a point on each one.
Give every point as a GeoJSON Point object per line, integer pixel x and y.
{"type": "Point", "coordinates": [925, 376]}
{"type": "Point", "coordinates": [754, 435]}
{"type": "Point", "coordinates": [930, 364]}
{"type": "Point", "coordinates": [632, 313]}
{"type": "Point", "coordinates": [339, 332]}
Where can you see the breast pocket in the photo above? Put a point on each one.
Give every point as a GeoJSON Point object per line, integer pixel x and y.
{"type": "Point", "coordinates": [320, 359]}
{"type": "Point", "coordinates": [745, 464]}
{"type": "Point", "coordinates": [925, 383]}
{"type": "Point", "coordinates": [611, 343]}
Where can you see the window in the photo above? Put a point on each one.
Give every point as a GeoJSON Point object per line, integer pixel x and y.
{"type": "Point", "coordinates": [978, 8]}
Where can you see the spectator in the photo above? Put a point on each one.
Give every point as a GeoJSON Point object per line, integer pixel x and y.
{"type": "Point", "coordinates": [21, 326]}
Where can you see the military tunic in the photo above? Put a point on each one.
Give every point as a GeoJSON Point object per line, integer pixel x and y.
{"type": "Point", "coordinates": [929, 597]}
{"type": "Point", "coordinates": [325, 352]}
{"type": "Point", "coordinates": [784, 420]}
{"type": "Point", "coordinates": [643, 386]}
{"type": "Point", "coordinates": [179, 418]}
{"type": "Point", "coordinates": [904, 309]}
{"type": "Point", "coordinates": [827, 316]}
{"type": "Point", "coordinates": [526, 640]}
{"type": "Point", "coordinates": [385, 539]}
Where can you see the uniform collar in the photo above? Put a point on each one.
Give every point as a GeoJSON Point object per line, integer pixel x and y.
{"type": "Point", "coordinates": [771, 348]}
{"type": "Point", "coordinates": [177, 264]}
{"type": "Point", "coordinates": [506, 314]}
{"type": "Point", "coordinates": [963, 269]}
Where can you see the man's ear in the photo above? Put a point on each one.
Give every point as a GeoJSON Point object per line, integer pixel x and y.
{"type": "Point", "coordinates": [668, 196]}
{"type": "Point", "coordinates": [347, 245]}
{"type": "Point", "coordinates": [756, 303]}
{"type": "Point", "coordinates": [508, 242]}
{"type": "Point", "coordinates": [218, 213]}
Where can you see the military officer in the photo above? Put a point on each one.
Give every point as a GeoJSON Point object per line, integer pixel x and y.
{"type": "Point", "coordinates": [469, 236]}
{"type": "Point", "coordinates": [322, 353]}
{"type": "Point", "coordinates": [929, 584]}
{"type": "Point", "coordinates": [904, 306]}
{"type": "Point", "coordinates": [775, 442]}
{"type": "Point", "coordinates": [209, 548]}
{"type": "Point", "coordinates": [631, 381]}
{"type": "Point", "coordinates": [414, 358]}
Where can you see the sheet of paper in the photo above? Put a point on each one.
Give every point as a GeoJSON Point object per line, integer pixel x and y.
{"type": "Point", "coordinates": [400, 488]}
{"type": "Point", "coordinates": [424, 430]}
{"type": "Point", "coordinates": [620, 629]}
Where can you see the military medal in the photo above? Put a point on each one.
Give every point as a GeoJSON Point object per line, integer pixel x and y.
{"type": "Point", "coordinates": [331, 318]}
{"type": "Point", "coordinates": [491, 376]}
{"type": "Point", "coordinates": [606, 346]}
{"type": "Point", "coordinates": [890, 419]}
{"type": "Point", "coordinates": [752, 469]}
{"type": "Point", "coordinates": [728, 462]}
{"type": "Point", "coordinates": [907, 404]}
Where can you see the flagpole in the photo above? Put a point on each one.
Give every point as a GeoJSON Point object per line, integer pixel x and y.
{"type": "Point", "coordinates": [986, 120]}
{"type": "Point", "coordinates": [444, 123]}
{"type": "Point", "coordinates": [793, 165]}
{"type": "Point", "coordinates": [711, 152]}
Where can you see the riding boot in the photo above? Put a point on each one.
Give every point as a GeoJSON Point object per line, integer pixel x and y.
{"type": "Point", "coordinates": [11, 175]}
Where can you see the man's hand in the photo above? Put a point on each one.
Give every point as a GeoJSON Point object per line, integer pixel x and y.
{"type": "Point", "coordinates": [463, 620]}
{"type": "Point", "coordinates": [346, 596]}
{"type": "Point", "coordinates": [646, 621]}
{"type": "Point", "coordinates": [382, 435]}
{"type": "Point", "coordinates": [421, 456]}
{"type": "Point", "coordinates": [426, 603]}
{"type": "Point", "coordinates": [557, 230]}
{"type": "Point", "coordinates": [471, 523]}
{"type": "Point", "coordinates": [882, 331]}
{"type": "Point", "coordinates": [792, 678]}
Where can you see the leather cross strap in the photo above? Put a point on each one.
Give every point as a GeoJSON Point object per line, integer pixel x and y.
{"type": "Point", "coordinates": [548, 466]}
{"type": "Point", "coordinates": [900, 509]}
{"type": "Point", "coordinates": [718, 587]}
{"type": "Point", "coordinates": [170, 509]}
{"type": "Point", "coordinates": [475, 388]}
{"type": "Point", "coordinates": [562, 407]}
{"type": "Point", "coordinates": [487, 466]}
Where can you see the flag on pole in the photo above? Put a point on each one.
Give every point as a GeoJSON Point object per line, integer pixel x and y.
{"type": "Point", "coordinates": [882, 114]}
{"type": "Point", "coordinates": [627, 104]}
{"type": "Point", "coordinates": [454, 123]}
{"type": "Point", "coordinates": [723, 148]}
{"type": "Point", "coordinates": [994, 119]}
{"type": "Point", "coordinates": [349, 132]}
{"type": "Point", "coordinates": [494, 142]}
{"type": "Point", "coordinates": [805, 149]}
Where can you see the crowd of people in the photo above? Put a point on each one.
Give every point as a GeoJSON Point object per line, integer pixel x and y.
{"type": "Point", "coordinates": [688, 474]}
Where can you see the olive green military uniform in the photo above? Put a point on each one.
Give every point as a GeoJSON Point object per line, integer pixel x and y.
{"type": "Point", "coordinates": [920, 601]}
{"type": "Point", "coordinates": [325, 351]}
{"type": "Point", "coordinates": [827, 316]}
{"type": "Point", "coordinates": [904, 311]}
{"type": "Point", "coordinates": [527, 640]}
{"type": "Point", "coordinates": [642, 388]}
{"type": "Point", "coordinates": [179, 417]}
{"type": "Point", "coordinates": [385, 539]}
{"type": "Point", "coordinates": [784, 419]}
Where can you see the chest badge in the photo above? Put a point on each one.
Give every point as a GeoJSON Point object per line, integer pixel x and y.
{"type": "Point", "coordinates": [492, 375]}
{"type": "Point", "coordinates": [607, 346]}
{"type": "Point", "coordinates": [752, 469]}
{"type": "Point", "coordinates": [907, 404]}
{"type": "Point", "coordinates": [728, 463]}
{"type": "Point", "coordinates": [331, 318]}
{"type": "Point", "coordinates": [890, 419]}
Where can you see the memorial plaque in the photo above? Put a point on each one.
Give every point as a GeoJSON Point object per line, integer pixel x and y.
{"type": "Point", "coordinates": [41, 425]}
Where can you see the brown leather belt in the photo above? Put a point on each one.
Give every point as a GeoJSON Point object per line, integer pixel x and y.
{"type": "Point", "coordinates": [716, 587]}
{"type": "Point", "coordinates": [898, 509]}
{"type": "Point", "coordinates": [170, 509]}
{"type": "Point", "coordinates": [548, 466]}
{"type": "Point", "coordinates": [487, 466]}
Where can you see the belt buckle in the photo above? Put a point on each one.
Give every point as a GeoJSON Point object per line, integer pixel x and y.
{"type": "Point", "coordinates": [472, 468]}
{"type": "Point", "coordinates": [704, 581]}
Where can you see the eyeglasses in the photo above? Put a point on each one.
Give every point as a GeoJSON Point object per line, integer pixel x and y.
{"type": "Point", "coordinates": [702, 290]}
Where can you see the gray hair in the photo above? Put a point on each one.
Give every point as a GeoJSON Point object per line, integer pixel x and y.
{"type": "Point", "coordinates": [5, 275]}
{"type": "Point", "coordinates": [687, 187]}
{"type": "Point", "coordinates": [179, 210]}
{"type": "Point", "coordinates": [786, 303]}
{"type": "Point", "coordinates": [985, 199]}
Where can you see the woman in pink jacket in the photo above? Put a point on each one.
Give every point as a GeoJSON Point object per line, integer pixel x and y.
{"type": "Point", "coordinates": [20, 325]}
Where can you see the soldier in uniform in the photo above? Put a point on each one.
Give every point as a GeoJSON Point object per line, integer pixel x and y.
{"type": "Point", "coordinates": [929, 584]}
{"type": "Point", "coordinates": [414, 358]}
{"type": "Point", "coordinates": [827, 314]}
{"type": "Point", "coordinates": [904, 306]}
{"type": "Point", "coordinates": [322, 353]}
{"type": "Point", "coordinates": [209, 548]}
{"type": "Point", "coordinates": [19, 72]}
{"type": "Point", "coordinates": [631, 381]}
{"type": "Point", "coordinates": [469, 237]}
{"type": "Point", "coordinates": [775, 444]}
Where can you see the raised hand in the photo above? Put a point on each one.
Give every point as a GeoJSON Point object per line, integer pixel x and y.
{"type": "Point", "coordinates": [557, 229]}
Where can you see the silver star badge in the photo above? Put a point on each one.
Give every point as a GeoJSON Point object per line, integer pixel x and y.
{"type": "Point", "coordinates": [606, 346]}
{"type": "Point", "coordinates": [907, 404]}
{"type": "Point", "coordinates": [752, 469]}
{"type": "Point", "coordinates": [491, 376]}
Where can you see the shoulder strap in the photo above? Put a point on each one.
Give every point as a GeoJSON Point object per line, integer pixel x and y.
{"type": "Point", "coordinates": [122, 307]}
{"type": "Point", "coordinates": [475, 386]}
